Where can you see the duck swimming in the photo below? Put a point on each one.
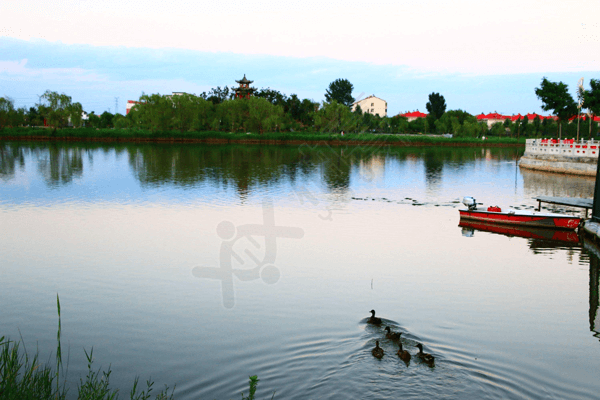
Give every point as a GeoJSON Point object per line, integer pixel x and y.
{"type": "Point", "coordinates": [395, 336]}
{"type": "Point", "coordinates": [377, 351]}
{"type": "Point", "coordinates": [425, 357]}
{"type": "Point", "coordinates": [403, 354]}
{"type": "Point", "coordinates": [373, 319]}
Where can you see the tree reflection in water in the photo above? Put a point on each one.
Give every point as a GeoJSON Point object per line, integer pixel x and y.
{"type": "Point", "coordinates": [11, 157]}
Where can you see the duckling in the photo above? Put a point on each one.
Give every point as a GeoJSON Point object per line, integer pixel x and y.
{"type": "Point", "coordinates": [395, 336]}
{"type": "Point", "coordinates": [403, 354]}
{"type": "Point", "coordinates": [373, 319]}
{"type": "Point", "coordinates": [425, 357]}
{"type": "Point", "coordinates": [377, 351]}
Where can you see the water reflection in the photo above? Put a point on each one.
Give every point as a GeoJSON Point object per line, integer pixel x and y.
{"type": "Point", "coordinates": [594, 255]}
{"type": "Point", "coordinates": [11, 157]}
{"type": "Point", "coordinates": [539, 238]}
{"type": "Point", "coordinates": [263, 266]}
{"type": "Point", "coordinates": [538, 183]}
{"type": "Point", "coordinates": [59, 165]}
{"type": "Point", "coordinates": [244, 167]}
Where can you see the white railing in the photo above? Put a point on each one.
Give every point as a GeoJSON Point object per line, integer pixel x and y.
{"type": "Point", "coordinates": [565, 147]}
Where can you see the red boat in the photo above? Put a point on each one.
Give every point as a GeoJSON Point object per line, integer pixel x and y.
{"type": "Point", "coordinates": [518, 217]}
{"type": "Point", "coordinates": [545, 234]}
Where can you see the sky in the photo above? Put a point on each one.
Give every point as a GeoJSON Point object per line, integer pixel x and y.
{"type": "Point", "coordinates": [482, 56]}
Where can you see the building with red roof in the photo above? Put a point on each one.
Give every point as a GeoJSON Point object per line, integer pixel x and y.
{"type": "Point", "coordinates": [413, 115]}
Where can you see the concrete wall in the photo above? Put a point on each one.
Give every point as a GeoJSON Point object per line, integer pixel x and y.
{"type": "Point", "coordinates": [565, 156]}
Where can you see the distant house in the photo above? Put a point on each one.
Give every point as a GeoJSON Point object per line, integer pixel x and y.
{"type": "Point", "coordinates": [372, 105]}
{"type": "Point", "coordinates": [413, 115]}
{"type": "Point", "coordinates": [130, 104]}
{"type": "Point", "coordinates": [495, 117]}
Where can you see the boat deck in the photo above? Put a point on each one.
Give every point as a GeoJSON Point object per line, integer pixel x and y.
{"type": "Point", "coordinates": [566, 201]}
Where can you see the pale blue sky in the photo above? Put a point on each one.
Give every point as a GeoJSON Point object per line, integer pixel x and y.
{"type": "Point", "coordinates": [482, 56]}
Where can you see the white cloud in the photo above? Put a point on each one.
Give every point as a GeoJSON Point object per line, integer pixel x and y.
{"type": "Point", "coordinates": [465, 36]}
{"type": "Point", "coordinates": [19, 70]}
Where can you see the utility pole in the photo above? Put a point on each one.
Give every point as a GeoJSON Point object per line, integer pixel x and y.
{"type": "Point", "coordinates": [116, 105]}
{"type": "Point", "coordinates": [579, 103]}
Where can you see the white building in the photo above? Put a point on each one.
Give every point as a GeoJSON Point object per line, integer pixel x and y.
{"type": "Point", "coordinates": [372, 105]}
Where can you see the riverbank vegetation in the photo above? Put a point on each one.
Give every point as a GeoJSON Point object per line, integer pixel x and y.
{"type": "Point", "coordinates": [292, 138]}
{"type": "Point", "coordinates": [24, 377]}
{"type": "Point", "coordinates": [272, 112]}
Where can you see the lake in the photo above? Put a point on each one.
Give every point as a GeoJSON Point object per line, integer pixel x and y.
{"type": "Point", "coordinates": [199, 265]}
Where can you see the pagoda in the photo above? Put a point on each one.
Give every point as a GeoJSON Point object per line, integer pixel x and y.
{"type": "Point", "coordinates": [244, 91]}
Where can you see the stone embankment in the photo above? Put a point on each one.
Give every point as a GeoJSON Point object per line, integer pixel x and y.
{"type": "Point", "coordinates": [565, 156]}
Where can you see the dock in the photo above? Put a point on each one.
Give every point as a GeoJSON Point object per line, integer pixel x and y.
{"type": "Point", "coordinates": [566, 201]}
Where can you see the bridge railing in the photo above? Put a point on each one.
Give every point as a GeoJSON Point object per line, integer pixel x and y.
{"type": "Point", "coordinates": [564, 147]}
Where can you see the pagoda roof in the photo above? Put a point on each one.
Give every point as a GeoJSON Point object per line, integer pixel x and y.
{"type": "Point", "coordinates": [244, 80]}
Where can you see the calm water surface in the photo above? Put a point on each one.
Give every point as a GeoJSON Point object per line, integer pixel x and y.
{"type": "Point", "coordinates": [201, 265]}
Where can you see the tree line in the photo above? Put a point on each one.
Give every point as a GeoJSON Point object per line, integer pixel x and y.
{"type": "Point", "coordinates": [272, 111]}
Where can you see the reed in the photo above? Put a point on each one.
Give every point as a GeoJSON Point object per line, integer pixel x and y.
{"type": "Point", "coordinates": [22, 377]}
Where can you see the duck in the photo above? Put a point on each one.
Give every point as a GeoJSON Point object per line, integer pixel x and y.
{"type": "Point", "coordinates": [425, 357]}
{"type": "Point", "coordinates": [373, 319]}
{"type": "Point", "coordinates": [403, 354]}
{"type": "Point", "coordinates": [377, 351]}
{"type": "Point", "coordinates": [395, 336]}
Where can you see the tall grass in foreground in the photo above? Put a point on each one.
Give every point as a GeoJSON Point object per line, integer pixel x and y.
{"type": "Point", "coordinates": [23, 377]}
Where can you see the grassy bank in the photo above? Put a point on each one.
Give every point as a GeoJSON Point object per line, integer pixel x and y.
{"type": "Point", "coordinates": [23, 377]}
{"type": "Point", "coordinates": [130, 135]}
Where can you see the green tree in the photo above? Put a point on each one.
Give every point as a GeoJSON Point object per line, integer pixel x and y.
{"type": "Point", "coordinates": [218, 95]}
{"type": "Point", "coordinates": [75, 112]}
{"type": "Point", "coordinates": [94, 120]}
{"type": "Point", "coordinates": [497, 129]}
{"type": "Point", "coordinates": [436, 106]}
{"type": "Point", "coordinates": [335, 117]}
{"type": "Point", "coordinates": [537, 125]}
{"type": "Point", "coordinates": [185, 107]}
{"type": "Point", "coordinates": [6, 109]}
{"type": "Point", "coordinates": [34, 118]}
{"type": "Point", "coordinates": [524, 122]}
{"type": "Point", "coordinates": [274, 97]}
{"type": "Point", "coordinates": [155, 112]}
{"type": "Point", "coordinates": [106, 120]}
{"type": "Point", "coordinates": [56, 108]}
{"type": "Point", "coordinates": [340, 90]}
{"type": "Point", "coordinates": [398, 124]}
{"type": "Point", "coordinates": [508, 125]}
{"type": "Point", "coordinates": [121, 122]}
{"type": "Point", "coordinates": [555, 97]}
{"type": "Point", "coordinates": [591, 101]}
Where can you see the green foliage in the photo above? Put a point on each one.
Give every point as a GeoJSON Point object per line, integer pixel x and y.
{"type": "Point", "coordinates": [262, 115]}
{"type": "Point", "coordinates": [340, 91]}
{"type": "Point", "coordinates": [58, 110]}
{"type": "Point", "coordinates": [218, 95]}
{"type": "Point", "coordinates": [460, 124]}
{"type": "Point", "coordinates": [436, 106]}
{"type": "Point", "coordinates": [418, 125]}
{"type": "Point", "coordinates": [34, 118]}
{"type": "Point", "coordinates": [9, 116]}
{"type": "Point", "coordinates": [591, 101]}
{"type": "Point", "coordinates": [335, 117]}
{"type": "Point", "coordinates": [93, 120]}
{"type": "Point", "coordinates": [591, 98]}
{"type": "Point", "coordinates": [556, 98]}
{"type": "Point", "coordinates": [498, 129]}
{"type": "Point", "coordinates": [23, 377]}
